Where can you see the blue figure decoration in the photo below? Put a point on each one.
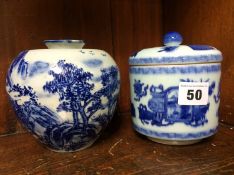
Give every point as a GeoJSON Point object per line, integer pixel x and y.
{"type": "Point", "coordinates": [139, 90]}
{"type": "Point", "coordinates": [217, 96]}
{"type": "Point", "coordinates": [144, 114]}
{"type": "Point", "coordinates": [163, 108]}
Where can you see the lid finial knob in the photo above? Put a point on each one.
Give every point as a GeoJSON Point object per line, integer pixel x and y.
{"type": "Point", "coordinates": [172, 39]}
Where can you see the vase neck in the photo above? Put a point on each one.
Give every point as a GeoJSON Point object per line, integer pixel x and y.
{"type": "Point", "coordinates": [64, 44]}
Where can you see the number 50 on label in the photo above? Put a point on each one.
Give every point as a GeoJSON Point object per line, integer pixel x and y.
{"type": "Point", "coordinates": [193, 93]}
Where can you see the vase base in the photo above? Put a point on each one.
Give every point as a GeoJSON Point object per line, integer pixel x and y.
{"type": "Point", "coordinates": [174, 142]}
{"type": "Point", "coordinates": [70, 151]}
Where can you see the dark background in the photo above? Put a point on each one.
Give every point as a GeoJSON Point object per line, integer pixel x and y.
{"type": "Point", "coordinates": [119, 27]}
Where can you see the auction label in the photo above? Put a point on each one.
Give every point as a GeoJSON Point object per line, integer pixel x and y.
{"type": "Point", "coordinates": [193, 93]}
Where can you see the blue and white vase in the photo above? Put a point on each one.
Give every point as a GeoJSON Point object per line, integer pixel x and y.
{"type": "Point", "coordinates": [65, 95]}
{"type": "Point", "coordinates": [175, 91]}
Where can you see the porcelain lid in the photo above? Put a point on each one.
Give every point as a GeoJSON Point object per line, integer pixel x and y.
{"type": "Point", "coordinates": [174, 53]}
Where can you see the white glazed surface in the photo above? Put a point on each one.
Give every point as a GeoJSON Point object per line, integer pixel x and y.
{"type": "Point", "coordinates": [182, 50]}
{"type": "Point", "coordinates": [169, 80]}
{"type": "Point", "coordinates": [180, 54]}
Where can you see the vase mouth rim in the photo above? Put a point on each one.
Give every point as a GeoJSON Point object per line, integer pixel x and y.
{"type": "Point", "coordinates": [64, 44]}
{"type": "Point", "coordinates": [65, 49]}
{"type": "Point", "coordinates": [64, 41]}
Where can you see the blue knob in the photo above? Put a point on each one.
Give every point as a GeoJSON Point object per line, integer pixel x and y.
{"type": "Point", "coordinates": [172, 39]}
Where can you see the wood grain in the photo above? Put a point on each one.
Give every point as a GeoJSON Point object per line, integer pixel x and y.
{"type": "Point", "coordinates": [119, 151]}
{"type": "Point", "coordinates": [25, 24]}
{"type": "Point", "coordinates": [90, 21]}
{"type": "Point", "coordinates": [136, 25]}
{"type": "Point", "coordinates": [210, 23]}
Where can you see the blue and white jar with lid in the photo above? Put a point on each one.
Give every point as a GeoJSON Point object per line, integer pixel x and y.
{"type": "Point", "coordinates": [175, 91]}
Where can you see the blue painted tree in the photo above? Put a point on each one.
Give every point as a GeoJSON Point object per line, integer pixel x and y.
{"type": "Point", "coordinates": [24, 91]}
{"type": "Point", "coordinates": [110, 82]}
{"type": "Point", "coordinates": [30, 112]}
{"type": "Point", "coordinates": [24, 108]}
{"type": "Point", "coordinates": [76, 95]}
{"type": "Point", "coordinates": [74, 90]}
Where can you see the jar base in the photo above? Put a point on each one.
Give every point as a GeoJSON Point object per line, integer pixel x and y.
{"type": "Point", "coordinates": [174, 142]}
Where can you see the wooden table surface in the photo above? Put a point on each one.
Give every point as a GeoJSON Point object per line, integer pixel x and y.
{"type": "Point", "coordinates": [120, 150]}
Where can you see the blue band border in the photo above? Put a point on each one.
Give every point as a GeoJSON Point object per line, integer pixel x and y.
{"type": "Point", "coordinates": [175, 136]}
{"type": "Point", "coordinates": [175, 69]}
{"type": "Point", "coordinates": [179, 59]}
